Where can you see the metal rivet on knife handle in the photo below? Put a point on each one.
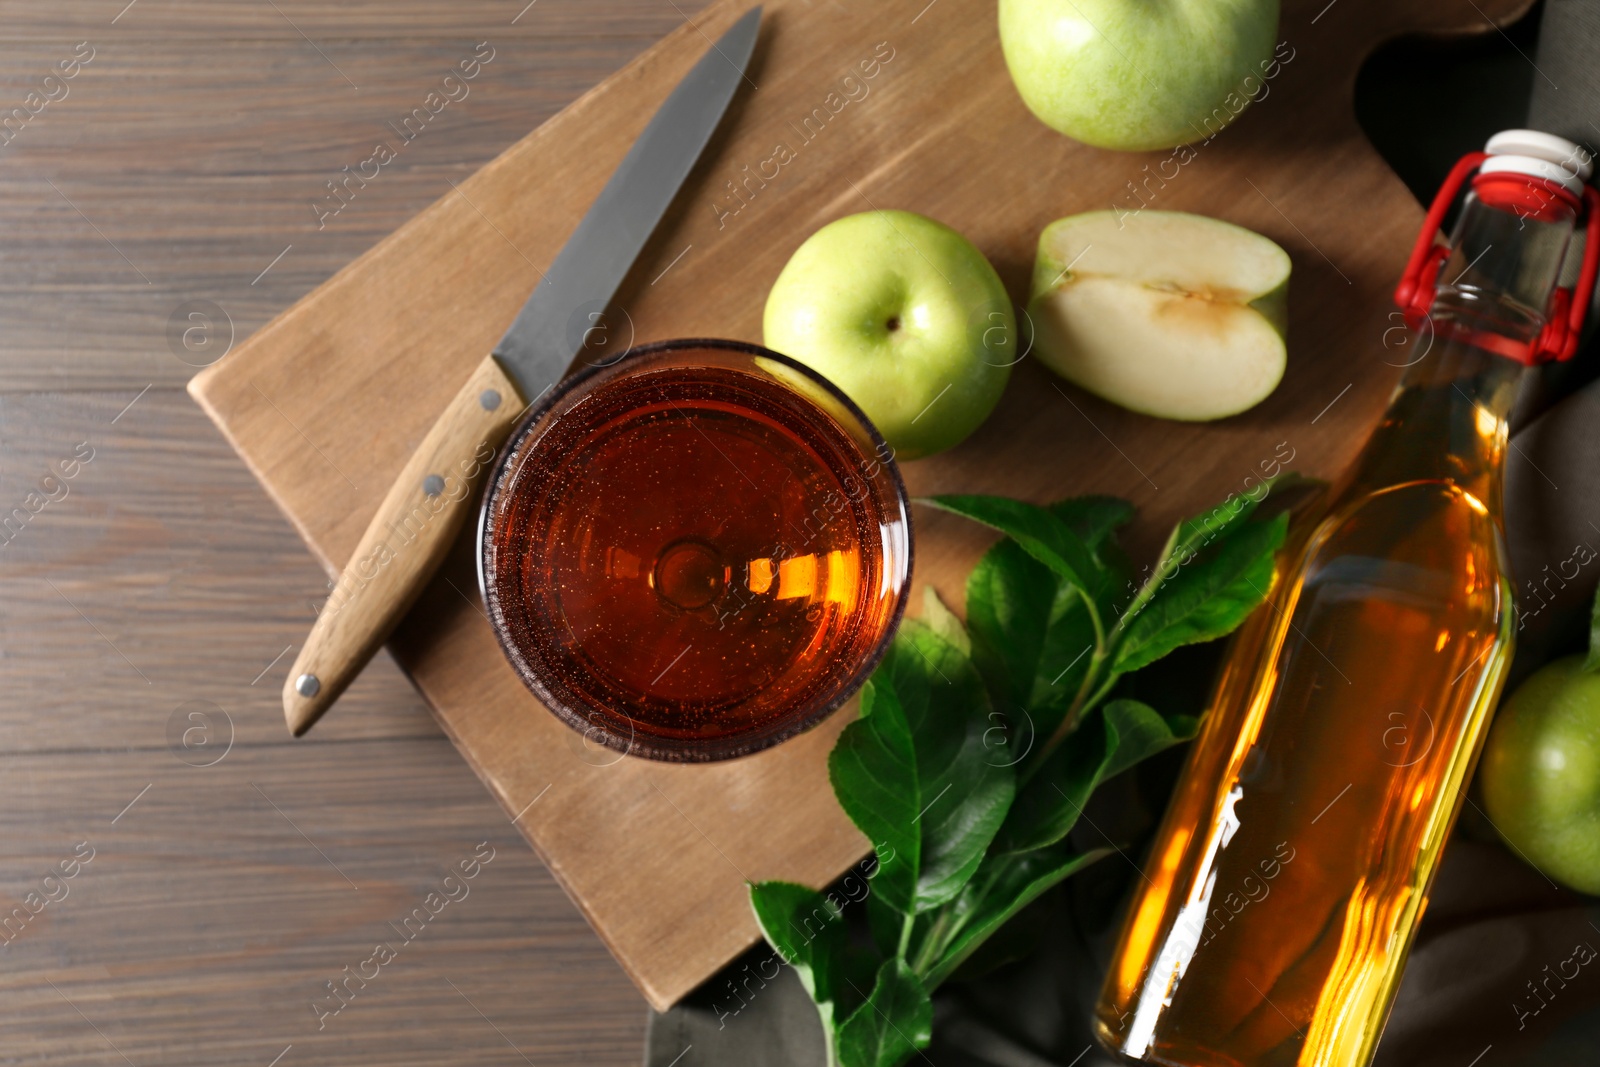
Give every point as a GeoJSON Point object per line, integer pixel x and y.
{"type": "Point", "coordinates": [307, 685]}
{"type": "Point", "coordinates": [490, 399]}
{"type": "Point", "coordinates": [433, 485]}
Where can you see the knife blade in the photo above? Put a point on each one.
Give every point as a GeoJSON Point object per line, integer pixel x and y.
{"type": "Point", "coordinates": [423, 511]}
{"type": "Point", "coordinates": [544, 338]}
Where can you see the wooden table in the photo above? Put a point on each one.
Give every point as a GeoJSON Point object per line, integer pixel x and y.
{"type": "Point", "coordinates": [152, 596]}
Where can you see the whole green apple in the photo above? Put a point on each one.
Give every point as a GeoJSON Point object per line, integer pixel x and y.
{"type": "Point", "coordinates": [1541, 773]}
{"type": "Point", "coordinates": [905, 316]}
{"type": "Point", "coordinates": [1139, 74]}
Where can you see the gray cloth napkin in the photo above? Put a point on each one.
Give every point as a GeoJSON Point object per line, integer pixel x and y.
{"type": "Point", "coordinates": [1493, 924]}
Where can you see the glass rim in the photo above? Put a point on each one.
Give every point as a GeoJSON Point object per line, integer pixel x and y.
{"type": "Point", "coordinates": [589, 721]}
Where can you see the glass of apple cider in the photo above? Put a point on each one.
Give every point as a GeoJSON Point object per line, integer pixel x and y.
{"type": "Point", "coordinates": [696, 551]}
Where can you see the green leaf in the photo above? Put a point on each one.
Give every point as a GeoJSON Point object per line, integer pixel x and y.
{"type": "Point", "coordinates": [1003, 886]}
{"type": "Point", "coordinates": [1065, 656]}
{"type": "Point", "coordinates": [1040, 532]}
{"type": "Point", "coordinates": [802, 925]}
{"type": "Point", "coordinates": [1047, 808]}
{"type": "Point", "coordinates": [808, 930]}
{"type": "Point", "coordinates": [1031, 634]}
{"type": "Point", "coordinates": [1010, 599]}
{"type": "Point", "coordinates": [1135, 731]}
{"type": "Point", "coordinates": [915, 774]}
{"type": "Point", "coordinates": [895, 1021]}
{"type": "Point", "coordinates": [1093, 518]}
{"type": "Point", "coordinates": [943, 622]}
{"type": "Point", "coordinates": [1191, 536]}
{"type": "Point", "coordinates": [1206, 598]}
{"type": "Point", "coordinates": [1104, 745]}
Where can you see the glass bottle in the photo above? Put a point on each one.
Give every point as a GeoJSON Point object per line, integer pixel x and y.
{"type": "Point", "coordinates": [1292, 868]}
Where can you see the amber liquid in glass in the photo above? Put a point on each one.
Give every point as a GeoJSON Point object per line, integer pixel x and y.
{"type": "Point", "coordinates": [1296, 856]}
{"type": "Point", "coordinates": [698, 550]}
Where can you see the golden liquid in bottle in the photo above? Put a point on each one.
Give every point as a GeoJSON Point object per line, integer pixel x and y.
{"type": "Point", "coordinates": [1295, 859]}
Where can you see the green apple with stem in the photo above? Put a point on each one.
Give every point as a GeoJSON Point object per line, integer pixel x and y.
{"type": "Point", "coordinates": [905, 316]}
{"type": "Point", "coordinates": [1136, 75]}
{"type": "Point", "coordinates": [1166, 313]}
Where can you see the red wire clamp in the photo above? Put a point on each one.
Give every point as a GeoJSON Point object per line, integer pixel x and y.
{"type": "Point", "coordinates": [1568, 307]}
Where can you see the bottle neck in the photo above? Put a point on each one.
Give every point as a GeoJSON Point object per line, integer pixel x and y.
{"type": "Point", "coordinates": [1505, 261]}
{"type": "Point", "coordinates": [1447, 420]}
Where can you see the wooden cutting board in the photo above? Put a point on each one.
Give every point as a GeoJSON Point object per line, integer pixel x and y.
{"type": "Point", "coordinates": [850, 106]}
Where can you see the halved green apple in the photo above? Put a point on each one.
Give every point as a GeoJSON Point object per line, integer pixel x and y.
{"type": "Point", "coordinates": [1163, 312]}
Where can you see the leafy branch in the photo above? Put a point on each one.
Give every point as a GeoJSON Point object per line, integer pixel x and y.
{"type": "Point", "coordinates": [978, 746]}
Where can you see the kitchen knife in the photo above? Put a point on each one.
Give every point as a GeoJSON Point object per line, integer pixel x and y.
{"type": "Point", "coordinates": [423, 511]}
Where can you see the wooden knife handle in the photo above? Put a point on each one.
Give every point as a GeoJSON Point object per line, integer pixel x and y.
{"type": "Point", "coordinates": [408, 537]}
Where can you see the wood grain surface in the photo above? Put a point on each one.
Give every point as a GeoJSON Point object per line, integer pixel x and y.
{"type": "Point", "coordinates": [162, 583]}
{"type": "Point", "coordinates": [656, 856]}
